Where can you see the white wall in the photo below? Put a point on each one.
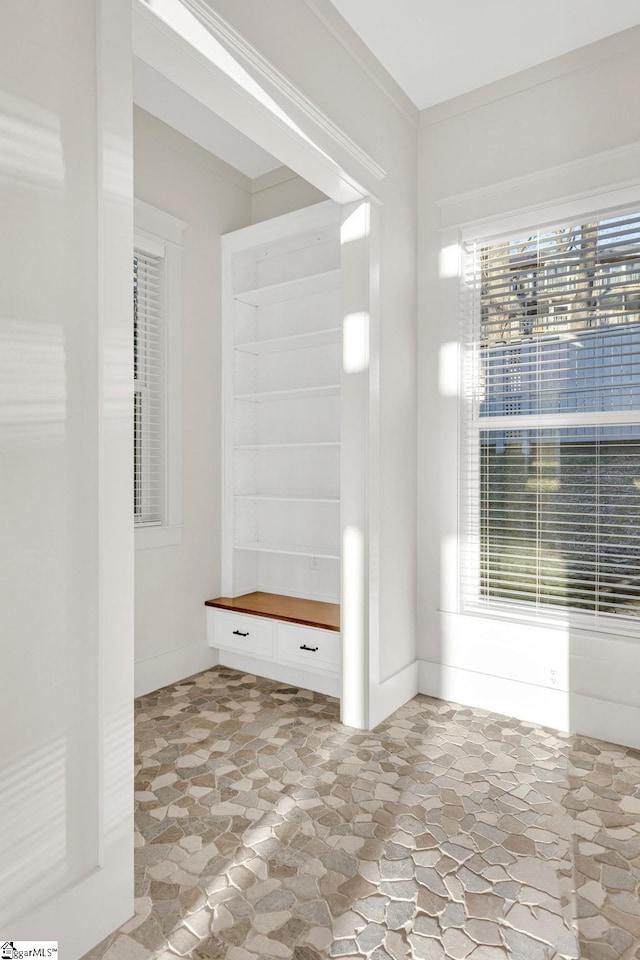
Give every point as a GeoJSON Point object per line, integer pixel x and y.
{"type": "Point", "coordinates": [66, 543]}
{"type": "Point", "coordinates": [172, 582]}
{"type": "Point", "coordinates": [279, 192]}
{"type": "Point", "coordinates": [328, 63]}
{"type": "Point", "coordinates": [569, 128]}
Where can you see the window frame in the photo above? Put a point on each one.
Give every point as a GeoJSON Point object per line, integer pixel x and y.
{"type": "Point", "coordinates": [473, 601]}
{"type": "Point", "coordinates": [161, 234]}
{"type": "Point", "coordinates": [460, 543]}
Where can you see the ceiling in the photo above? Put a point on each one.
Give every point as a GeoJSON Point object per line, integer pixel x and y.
{"type": "Point", "coordinates": [438, 49]}
{"type": "Point", "coordinates": [165, 100]}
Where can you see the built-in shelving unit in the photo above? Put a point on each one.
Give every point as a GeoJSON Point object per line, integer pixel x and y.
{"type": "Point", "coordinates": [282, 334]}
{"type": "Point", "coordinates": [281, 398]}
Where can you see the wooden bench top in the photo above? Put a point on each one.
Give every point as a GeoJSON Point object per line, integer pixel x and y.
{"type": "Point", "coordinates": [311, 613]}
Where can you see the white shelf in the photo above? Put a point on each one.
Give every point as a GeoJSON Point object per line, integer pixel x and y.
{"type": "Point", "coordinates": [297, 341]}
{"type": "Point", "coordinates": [260, 496]}
{"type": "Point", "coordinates": [281, 398]}
{"type": "Point", "coordinates": [298, 393]}
{"type": "Point", "coordinates": [260, 546]}
{"type": "Point", "coordinates": [290, 289]}
{"type": "Point", "coordinates": [286, 446]}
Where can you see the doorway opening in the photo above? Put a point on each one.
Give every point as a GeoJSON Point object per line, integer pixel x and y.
{"type": "Point", "coordinates": [214, 167]}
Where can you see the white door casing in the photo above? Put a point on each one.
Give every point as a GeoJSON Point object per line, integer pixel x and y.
{"type": "Point", "coordinates": [195, 48]}
{"type": "Point", "coordinates": [65, 440]}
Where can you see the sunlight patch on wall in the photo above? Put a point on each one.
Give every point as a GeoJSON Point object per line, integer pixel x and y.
{"type": "Point", "coordinates": [356, 226]}
{"type": "Point", "coordinates": [30, 143]}
{"type": "Point", "coordinates": [355, 342]}
{"type": "Point", "coordinates": [449, 369]}
{"type": "Point", "coordinates": [450, 261]}
{"type": "Point", "coordinates": [33, 828]}
{"type": "Point", "coordinates": [32, 381]}
{"type": "Point", "coordinates": [449, 557]}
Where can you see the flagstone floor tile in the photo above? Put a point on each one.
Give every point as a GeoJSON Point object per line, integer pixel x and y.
{"type": "Point", "coordinates": [266, 829]}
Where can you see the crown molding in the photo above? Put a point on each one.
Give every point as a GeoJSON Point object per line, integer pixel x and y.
{"type": "Point", "coordinates": [258, 66]}
{"type": "Point", "coordinates": [357, 49]}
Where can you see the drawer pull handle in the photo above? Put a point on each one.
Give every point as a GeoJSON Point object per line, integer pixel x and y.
{"type": "Point", "coordinates": [310, 649]}
{"type": "Point", "coordinates": [239, 633]}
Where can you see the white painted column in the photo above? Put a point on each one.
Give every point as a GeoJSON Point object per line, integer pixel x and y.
{"type": "Point", "coordinates": [359, 453]}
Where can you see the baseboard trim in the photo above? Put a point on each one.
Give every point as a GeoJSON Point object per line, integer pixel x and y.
{"type": "Point", "coordinates": [391, 694]}
{"type": "Point", "coordinates": [566, 711]}
{"type": "Point", "coordinates": [170, 667]}
{"type": "Point", "coordinates": [605, 720]}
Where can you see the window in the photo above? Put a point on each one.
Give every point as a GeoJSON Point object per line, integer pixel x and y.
{"type": "Point", "coordinates": [157, 412]}
{"type": "Point", "coordinates": [148, 400]}
{"type": "Point", "coordinates": [551, 485]}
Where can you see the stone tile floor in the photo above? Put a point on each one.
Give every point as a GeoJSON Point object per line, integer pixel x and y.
{"type": "Point", "coordinates": [265, 829]}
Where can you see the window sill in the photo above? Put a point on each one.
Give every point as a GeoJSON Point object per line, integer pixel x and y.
{"type": "Point", "coordinates": [161, 536]}
{"type": "Point", "coordinates": [554, 618]}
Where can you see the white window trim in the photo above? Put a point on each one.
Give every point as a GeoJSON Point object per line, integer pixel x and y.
{"type": "Point", "coordinates": [602, 182]}
{"type": "Point", "coordinates": [161, 234]}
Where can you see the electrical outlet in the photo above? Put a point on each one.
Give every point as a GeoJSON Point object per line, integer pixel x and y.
{"type": "Point", "coordinates": [553, 677]}
{"type": "Point", "coordinates": [314, 563]}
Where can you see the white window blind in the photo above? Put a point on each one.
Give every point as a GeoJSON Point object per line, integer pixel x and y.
{"type": "Point", "coordinates": [148, 269]}
{"type": "Point", "coordinates": [551, 446]}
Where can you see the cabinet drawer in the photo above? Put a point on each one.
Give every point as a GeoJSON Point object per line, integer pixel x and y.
{"type": "Point", "coordinates": [312, 648]}
{"type": "Point", "coordinates": [242, 634]}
